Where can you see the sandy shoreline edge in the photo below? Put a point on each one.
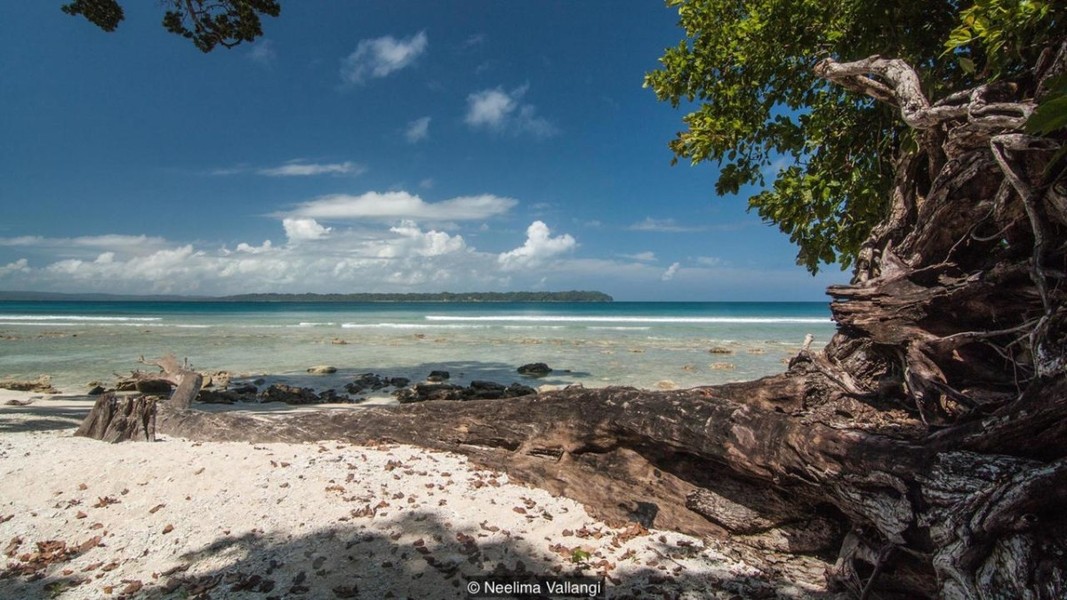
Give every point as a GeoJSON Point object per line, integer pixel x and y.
{"type": "Point", "coordinates": [177, 518]}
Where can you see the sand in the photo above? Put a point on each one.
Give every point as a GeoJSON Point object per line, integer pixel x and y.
{"type": "Point", "coordinates": [183, 519]}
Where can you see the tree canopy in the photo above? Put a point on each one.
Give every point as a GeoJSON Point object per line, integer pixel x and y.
{"type": "Point", "coordinates": [207, 23]}
{"type": "Point", "coordinates": [824, 156]}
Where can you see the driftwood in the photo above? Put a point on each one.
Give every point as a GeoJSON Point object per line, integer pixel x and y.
{"type": "Point", "coordinates": [114, 419]}
{"type": "Point", "coordinates": [925, 446]}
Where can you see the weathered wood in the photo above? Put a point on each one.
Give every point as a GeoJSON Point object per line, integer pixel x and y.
{"type": "Point", "coordinates": [114, 419]}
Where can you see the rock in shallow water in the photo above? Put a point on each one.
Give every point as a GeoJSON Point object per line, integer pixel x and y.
{"type": "Point", "coordinates": [534, 370]}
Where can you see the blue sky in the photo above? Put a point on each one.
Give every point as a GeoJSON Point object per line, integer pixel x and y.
{"type": "Point", "coordinates": [366, 147]}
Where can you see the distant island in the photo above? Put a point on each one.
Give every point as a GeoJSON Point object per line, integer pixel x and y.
{"type": "Point", "coordinates": [570, 296]}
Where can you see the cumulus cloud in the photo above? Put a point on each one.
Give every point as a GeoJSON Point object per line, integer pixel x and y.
{"type": "Point", "coordinates": [379, 57]}
{"type": "Point", "coordinates": [670, 272]}
{"type": "Point", "coordinates": [304, 169]}
{"type": "Point", "coordinates": [250, 249]}
{"type": "Point", "coordinates": [662, 226]}
{"type": "Point", "coordinates": [413, 241]}
{"type": "Point", "coordinates": [19, 266]}
{"type": "Point", "coordinates": [503, 112]}
{"type": "Point", "coordinates": [403, 255]}
{"type": "Point", "coordinates": [417, 130]}
{"type": "Point", "coordinates": [539, 247]}
{"type": "Point", "coordinates": [303, 229]}
{"type": "Point", "coordinates": [403, 205]}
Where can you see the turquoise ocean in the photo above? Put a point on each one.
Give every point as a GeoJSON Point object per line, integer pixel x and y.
{"type": "Point", "coordinates": [650, 345]}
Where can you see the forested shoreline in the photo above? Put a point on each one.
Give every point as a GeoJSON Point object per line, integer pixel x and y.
{"type": "Point", "coordinates": [443, 297]}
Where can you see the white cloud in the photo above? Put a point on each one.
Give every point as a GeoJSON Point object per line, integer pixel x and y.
{"type": "Point", "coordinates": [710, 261]}
{"type": "Point", "coordinates": [663, 226]}
{"type": "Point", "coordinates": [249, 249]}
{"type": "Point", "coordinates": [89, 245]}
{"type": "Point", "coordinates": [303, 169]}
{"type": "Point", "coordinates": [19, 266]}
{"type": "Point", "coordinates": [641, 256]}
{"type": "Point", "coordinates": [303, 229]}
{"type": "Point", "coordinates": [262, 52]}
{"type": "Point", "coordinates": [381, 56]}
{"type": "Point", "coordinates": [417, 130]}
{"type": "Point", "coordinates": [490, 108]}
{"type": "Point", "coordinates": [503, 112]}
{"type": "Point", "coordinates": [670, 272]}
{"type": "Point", "coordinates": [402, 205]}
{"type": "Point", "coordinates": [25, 240]}
{"type": "Point", "coordinates": [414, 241]}
{"type": "Point", "coordinates": [539, 247]}
{"type": "Point", "coordinates": [475, 40]}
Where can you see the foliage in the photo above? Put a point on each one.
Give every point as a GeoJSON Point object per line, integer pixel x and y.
{"type": "Point", "coordinates": [207, 23]}
{"type": "Point", "coordinates": [1051, 113]}
{"type": "Point", "coordinates": [1000, 38]}
{"type": "Point", "coordinates": [105, 14]}
{"type": "Point", "coordinates": [823, 156]}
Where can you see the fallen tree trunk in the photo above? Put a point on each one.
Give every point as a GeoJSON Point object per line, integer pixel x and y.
{"type": "Point", "coordinates": [749, 462]}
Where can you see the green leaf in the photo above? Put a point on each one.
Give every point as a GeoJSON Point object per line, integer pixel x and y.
{"type": "Point", "coordinates": [1050, 116]}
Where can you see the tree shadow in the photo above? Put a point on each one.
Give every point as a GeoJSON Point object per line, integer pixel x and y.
{"type": "Point", "coordinates": [417, 555]}
{"type": "Point", "coordinates": [41, 416]}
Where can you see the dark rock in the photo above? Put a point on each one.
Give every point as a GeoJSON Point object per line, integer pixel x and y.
{"type": "Point", "coordinates": [154, 387]}
{"type": "Point", "coordinates": [534, 370]}
{"type": "Point", "coordinates": [215, 397]}
{"type": "Point", "coordinates": [281, 392]}
{"type": "Point", "coordinates": [333, 397]}
{"type": "Point", "coordinates": [486, 390]}
{"type": "Point", "coordinates": [438, 376]}
{"type": "Point", "coordinates": [517, 389]}
{"type": "Point", "coordinates": [407, 396]}
{"type": "Point", "coordinates": [370, 381]}
{"type": "Point", "coordinates": [478, 390]}
{"type": "Point", "coordinates": [241, 393]}
{"type": "Point", "coordinates": [399, 382]}
{"type": "Point", "coordinates": [126, 385]}
{"type": "Point", "coordinates": [97, 390]}
{"type": "Point", "coordinates": [440, 391]}
{"type": "Point", "coordinates": [422, 392]}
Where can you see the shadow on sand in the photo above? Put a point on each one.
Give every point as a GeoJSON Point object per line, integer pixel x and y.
{"type": "Point", "coordinates": [420, 558]}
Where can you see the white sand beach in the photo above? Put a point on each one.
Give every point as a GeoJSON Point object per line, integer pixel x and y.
{"type": "Point", "coordinates": [176, 518]}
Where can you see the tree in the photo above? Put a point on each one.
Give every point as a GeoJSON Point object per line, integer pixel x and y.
{"type": "Point", "coordinates": [206, 23]}
{"type": "Point", "coordinates": [827, 155]}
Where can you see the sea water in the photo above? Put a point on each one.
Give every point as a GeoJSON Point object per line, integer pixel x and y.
{"type": "Point", "coordinates": [645, 345]}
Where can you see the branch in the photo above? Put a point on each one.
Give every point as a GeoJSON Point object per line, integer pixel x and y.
{"type": "Point", "coordinates": [1001, 145]}
{"type": "Point", "coordinates": [187, 380]}
{"type": "Point", "coordinates": [902, 88]}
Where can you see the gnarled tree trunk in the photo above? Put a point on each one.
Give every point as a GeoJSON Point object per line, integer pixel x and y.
{"type": "Point", "coordinates": [926, 445]}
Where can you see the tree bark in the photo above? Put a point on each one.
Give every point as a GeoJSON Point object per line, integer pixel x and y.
{"type": "Point", "coordinates": [926, 444]}
{"type": "Point", "coordinates": [120, 420]}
